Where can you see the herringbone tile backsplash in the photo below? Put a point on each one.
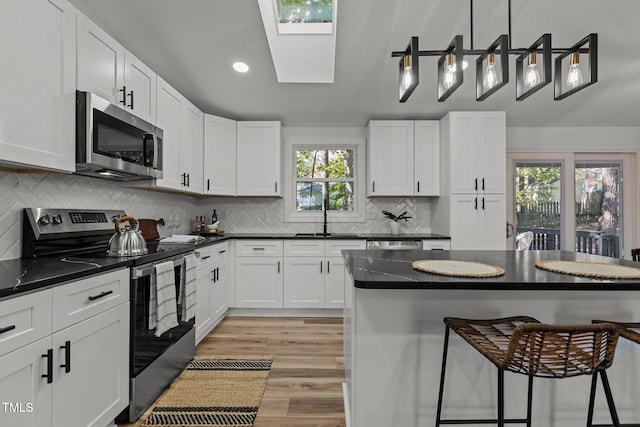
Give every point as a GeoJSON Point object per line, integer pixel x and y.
{"type": "Point", "coordinates": [237, 215]}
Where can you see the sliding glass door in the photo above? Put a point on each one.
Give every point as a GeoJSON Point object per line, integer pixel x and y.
{"type": "Point", "coordinates": [570, 201]}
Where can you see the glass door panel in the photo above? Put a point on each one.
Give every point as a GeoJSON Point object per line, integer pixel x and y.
{"type": "Point", "coordinates": [538, 205]}
{"type": "Point", "coordinates": [598, 208]}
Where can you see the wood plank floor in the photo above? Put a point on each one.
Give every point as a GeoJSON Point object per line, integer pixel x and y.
{"type": "Point", "coordinates": [305, 383]}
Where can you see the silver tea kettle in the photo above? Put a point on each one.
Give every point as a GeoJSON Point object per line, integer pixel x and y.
{"type": "Point", "coordinates": [127, 241]}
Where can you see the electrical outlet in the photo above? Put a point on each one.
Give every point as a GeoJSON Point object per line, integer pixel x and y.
{"type": "Point", "coordinates": [263, 215]}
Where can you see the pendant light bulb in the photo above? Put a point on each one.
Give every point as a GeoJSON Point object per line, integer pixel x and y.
{"type": "Point", "coordinates": [449, 71]}
{"type": "Point", "coordinates": [574, 78]}
{"type": "Point", "coordinates": [532, 76]}
{"type": "Point", "coordinates": [490, 75]}
{"type": "Point", "coordinates": [407, 76]}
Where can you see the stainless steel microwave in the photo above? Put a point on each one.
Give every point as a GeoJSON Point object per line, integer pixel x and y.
{"type": "Point", "coordinates": [113, 143]}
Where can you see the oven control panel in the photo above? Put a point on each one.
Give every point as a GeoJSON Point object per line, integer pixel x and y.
{"type": "Point", "coordinates": [50, 221]}
{"type": "Point", "coordinates": [87, 217]}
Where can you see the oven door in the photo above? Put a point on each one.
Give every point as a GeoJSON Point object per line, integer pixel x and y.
{"type": "Point", "coordinates": [145, 347]}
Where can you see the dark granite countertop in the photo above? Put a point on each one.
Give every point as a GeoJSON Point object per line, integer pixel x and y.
{"type": "Point", "coordinates": [25, 274]}
{"type": "Point", "coordinates": [383, 269]}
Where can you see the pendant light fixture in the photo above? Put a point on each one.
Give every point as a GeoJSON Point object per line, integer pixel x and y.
{"type": "Point", "coordinates": [492, 66]}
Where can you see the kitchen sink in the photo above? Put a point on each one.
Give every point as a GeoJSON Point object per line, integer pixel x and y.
{"type": "Point", "coordinates": [323, 235]}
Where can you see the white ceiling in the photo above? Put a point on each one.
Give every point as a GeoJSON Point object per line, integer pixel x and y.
{"type": "Point", "coordinates": [192, 44]}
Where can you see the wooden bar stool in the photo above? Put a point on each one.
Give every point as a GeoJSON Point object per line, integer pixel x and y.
{"type": "Point", "coordinates": [523, 345]}
{"type": "Point", "coordinates": [630, 331]}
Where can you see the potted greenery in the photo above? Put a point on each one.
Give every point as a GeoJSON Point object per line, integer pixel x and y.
{"type": "Point", "coordinates": [395, 225]}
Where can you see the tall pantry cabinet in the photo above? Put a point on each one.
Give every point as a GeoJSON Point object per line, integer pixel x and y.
{"type": "Point", "coordinates": [472, 205]}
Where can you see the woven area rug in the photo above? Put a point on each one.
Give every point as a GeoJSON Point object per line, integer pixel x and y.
{"type": "Point", "coordinates": [221, 391]}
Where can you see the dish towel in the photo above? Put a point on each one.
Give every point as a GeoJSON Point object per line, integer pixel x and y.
{"type": "Point", "coordinates": [163, 311]}
{"type": "Point", "coordinates": [188, 292]}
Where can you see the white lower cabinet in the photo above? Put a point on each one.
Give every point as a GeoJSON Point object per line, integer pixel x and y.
{"type": "Point", "coordinates": [212, 288]}
{"type": "Point", "coordinates": [74, 375]}
{"type": "Point", "coordinates": [259, 274]}
{"type": "Point", "coordinates": [478, 222]}
{"type": "Point", "coordinates": [436, 245]}
{"type": "Point", "coordinates": [314, 272]}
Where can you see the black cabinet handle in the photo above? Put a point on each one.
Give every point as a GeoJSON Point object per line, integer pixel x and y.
{"type": "Point", "coordinates": [276, 186]}
{"type": "Point", "coordinates": [208, 184]}
{"type": "Point", "coordinates": [258, 249]}
{"type": "Point", "coordinates": [278, 267]}
{"type": "Point", "coordinates": [320, 266]}
{"type": "Point", "coordinates": [483, 183]}
{"type": "Point", "coordinates": [67, 356]}
{"type": "Point", "coordinates": [124, 96]}
{"type": "Point", "coordinates": [476, 204]}
{"type": "Point", "coordinates": [100, 295]}
{"type": "Point", "coordinates": [483, 203]}
{"type": "Point", "coordinates": [475, 185]}
{"type": "Point", "coordinates": [373, 187]}
{"type": "Point", "coordinates": [418, 186]}
{"type": "Point", "coordinates": [183, 179]}
{"type": "Point", "coordinates": [328, 267]}
{"type": "Point", "coordinates": [206, 257]}
{"type": "Point", "coordinates": [49, 374]}
{"type": "Point", "coordinates": [217, 273]}
{"type": "Point", "coordinates": [222, 251]}
{"type": "Point", "coordinates": [7, 329]}
{"type": "Point", "coordinates": [131, 97]}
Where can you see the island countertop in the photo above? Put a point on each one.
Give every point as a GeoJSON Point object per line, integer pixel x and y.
{"type": "Point", "coordinates": [384, 269]}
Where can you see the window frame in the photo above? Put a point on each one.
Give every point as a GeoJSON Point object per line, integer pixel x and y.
{"type": "Point", "coordinates": [359, 179]}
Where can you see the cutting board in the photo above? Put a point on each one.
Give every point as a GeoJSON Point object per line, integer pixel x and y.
{"type": "Point", "coordinates": [149, 228]}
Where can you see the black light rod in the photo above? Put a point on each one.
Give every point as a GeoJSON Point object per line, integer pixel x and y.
{"type": "Point", "coordinates": [517, 51]}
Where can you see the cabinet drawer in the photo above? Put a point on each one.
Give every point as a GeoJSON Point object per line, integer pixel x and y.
{"type": "Point", "coordinates": [24, 320]}
{"type": "Point", "coordinates": [220, 251]}
{"type": "Point", "coordinates": [335, 247]}
{"type": "Point", "coordinates": [259, 248]}
{"type": "Point", "coordinates": [204, 257]}
{"type": "Point", "coordinates": [77, 301]}
{"type": "Point", "coordinates": [304, 248]}
{"type": "Point", "coordinates": [436, 245]}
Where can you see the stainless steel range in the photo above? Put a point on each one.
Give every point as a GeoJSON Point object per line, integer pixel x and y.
{"type": "Point", "coordinates": [82, 236]}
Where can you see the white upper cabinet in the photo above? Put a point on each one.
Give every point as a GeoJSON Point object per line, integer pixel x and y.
{"type": "Point", "coordinates": [259, 156]}
{"type": "Point", "coordinates": [219, 156]}
{"type": "Point", "coordinates": [477, 151]}
{"type": "Point", "coordinates": [107, 69]}
{"type": "Point", "coordinates": [168, 111]}
{"type": "Point", "coordinates": [403, 158]}
{"type": "Point", "coordinates": [37, 106]}
{"type": "Point", "coordinates": [191, 139]}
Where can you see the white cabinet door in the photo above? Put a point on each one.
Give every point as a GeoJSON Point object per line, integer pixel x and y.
{"type": "Point", "coordinates": [168, 115]}
{"type": "Point", "coordinates": [203, 309]}
{"type": "Point", "coordinates": [304, 282]}
{"type": "Point", "coordinates": [493, 222]}
{"type": "Point", "coordinates": [24, 393]}
{"type": "Point", "coordinates": [477, 152]}
{"type": "Point", "coordinates": [24, 319]}
{"type": "Point", "coordinates": [191, 120]}
{"type": "Point", "coordinates": [219, 156]}
{"type": "Point", "coordinates": [334, 282]}
{"type": "Point", "coordinates": [100, 62]}
{"type": "Point", "coordinates": [390, 158]}
{"type": "Point", "coordinates": [259, 282]}
{"type": "Point", "coordinates": [464, 222]}
{"type": "Point", "coordinates": [37, 106]}
{"type": "Point", "coordinates": [426, 158]}
{"type": "Point", "coordinates": [259, 155]}
{"type": "Point", "coordinates": [140, 82]}
{"type": "Point", "coordinates": [92, 370]}
{"type": "Point", "coordinates": [220, 290]}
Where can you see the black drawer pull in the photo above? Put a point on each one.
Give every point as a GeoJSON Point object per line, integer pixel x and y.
{"type": "Point", "coordinates": [101, 295]}
{"type": "Point", "coordinates": [7, 329]}
{"type": "Point", "coordinates": [206, 257]}
{"type": "Point", "coordinates": [258, 249]}
{"type": "Point", "coordinates": [124, 95]}
{"type": "Point", "coordinates": [221, 252]}
{"type": "Point", "coordinates": [49, 374]}
{"type": "Point", "coordinates": [67, 356]}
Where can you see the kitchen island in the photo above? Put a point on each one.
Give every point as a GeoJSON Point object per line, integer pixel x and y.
{"type": "Point", "coordinates": [394, 336]}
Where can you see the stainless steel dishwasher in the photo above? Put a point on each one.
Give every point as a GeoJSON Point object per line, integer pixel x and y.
{"type": "Point", "coordinates": [405, 245]}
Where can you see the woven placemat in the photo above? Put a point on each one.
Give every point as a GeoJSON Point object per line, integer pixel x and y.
{"type": "Point", "coordinates": [458, 268]}
{"type": "Point", "coordinates": [598, 270]}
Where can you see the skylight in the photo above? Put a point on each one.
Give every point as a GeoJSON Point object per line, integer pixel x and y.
{"type": "Point", "coordinates": [305, 11]}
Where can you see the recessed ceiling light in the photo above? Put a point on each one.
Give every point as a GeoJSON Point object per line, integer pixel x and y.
{"type": "Point", "coordinates": [240, 67]}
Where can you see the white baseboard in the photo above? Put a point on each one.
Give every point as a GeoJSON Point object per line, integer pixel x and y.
{"type": "Point", "coordinates": [347, 406]}
{"type": "Point", "coordinates": [285, 312]}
